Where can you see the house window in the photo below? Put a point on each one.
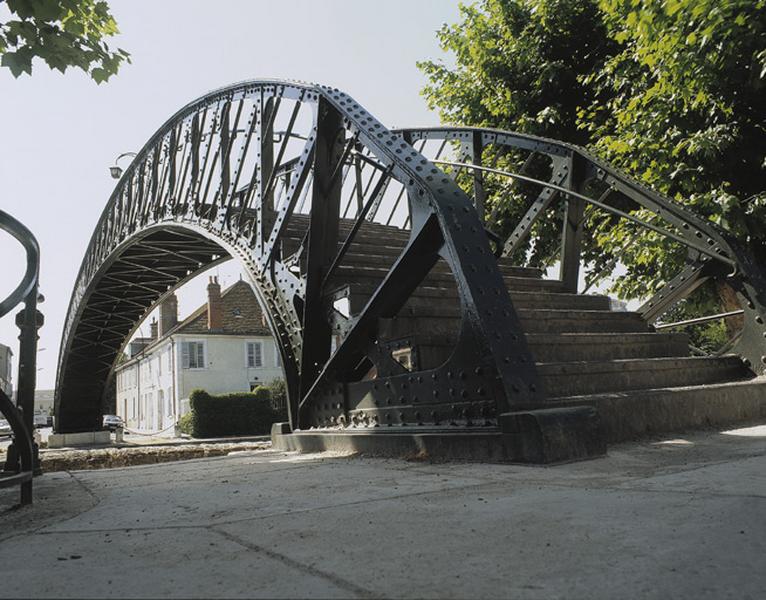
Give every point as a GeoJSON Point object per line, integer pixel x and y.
{"type": "Point", "coordinates": [193, 355]}
{"type": "Point", "coordinates": [254, 354]}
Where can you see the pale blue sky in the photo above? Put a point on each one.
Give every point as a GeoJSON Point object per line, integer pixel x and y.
{"type": "Point", "coordinates": [60, 133]}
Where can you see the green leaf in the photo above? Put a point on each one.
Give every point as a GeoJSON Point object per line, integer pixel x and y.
{"type": "Point", "coordinates": [18, 62]}
{"type": "Point", "coordinates": [63, 33]}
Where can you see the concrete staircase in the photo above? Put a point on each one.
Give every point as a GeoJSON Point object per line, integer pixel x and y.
{"type": "Point", "coordinates": [640, 380]}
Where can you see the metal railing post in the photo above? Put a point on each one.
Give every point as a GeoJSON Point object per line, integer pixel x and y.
{"type": "Point", "coordinates": [22, 458]}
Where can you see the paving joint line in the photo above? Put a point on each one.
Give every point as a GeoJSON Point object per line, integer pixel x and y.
{"type": "Point", "coordinates": [348, 586]}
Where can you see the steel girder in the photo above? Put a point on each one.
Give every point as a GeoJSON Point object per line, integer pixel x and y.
{"type": "Point", "coordinates": [312, 195]}
{"type": "Point", "coordinates": [321, 204]}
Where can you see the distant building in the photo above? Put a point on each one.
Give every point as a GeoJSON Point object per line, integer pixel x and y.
{"type": "Point", "coordinates": [43, 401]}
{"type": "Point", "coordinates": [6, 370]}
{"type": "Point", "coordinates": [224, 346]}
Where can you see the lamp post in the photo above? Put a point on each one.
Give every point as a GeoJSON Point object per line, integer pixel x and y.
{"type": "Point", "coordinates": [116, 170]}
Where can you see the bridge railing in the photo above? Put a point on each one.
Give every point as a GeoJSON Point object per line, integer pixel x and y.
{"type": "Point", "coordinates": [541, 198]}
{"type": "Point", "coordinates": [19, 467]}
{"type": "Point", "coordinates": [309, 192]}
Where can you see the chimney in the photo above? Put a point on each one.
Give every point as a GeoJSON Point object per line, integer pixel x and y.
{"type": "Point", "coordinates": [214, 305]}
{"type": "Point", "coordinates": [168, 314]}
{"type": "Point", "coordinates": [153, 327]}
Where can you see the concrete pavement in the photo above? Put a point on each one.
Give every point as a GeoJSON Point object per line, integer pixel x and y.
{"type": "Point", "coordinates": [684, 518]}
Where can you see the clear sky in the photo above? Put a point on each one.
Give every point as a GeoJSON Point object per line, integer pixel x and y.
{"type": "Point", "coordinates": [60, 133]}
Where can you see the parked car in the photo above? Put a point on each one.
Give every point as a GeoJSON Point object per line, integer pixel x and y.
{"type": "Point", "coordinates": [42, 420]}
{"type": "Point", "coordinates": [112, 422]}
{"type": "Point", "coordinates": [5, 427]}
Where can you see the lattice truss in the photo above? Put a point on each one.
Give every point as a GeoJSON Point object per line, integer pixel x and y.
{"type": "Point", "coordinates": [375, 254]}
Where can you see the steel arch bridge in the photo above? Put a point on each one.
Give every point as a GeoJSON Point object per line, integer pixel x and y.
{"type": "Point", "coordinates": [391, 299]}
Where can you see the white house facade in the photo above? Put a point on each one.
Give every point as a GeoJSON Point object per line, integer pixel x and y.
{"type": "Point", "coordinates": [222, 347]}
{"type": "Point", "coordinates": [6, 369]}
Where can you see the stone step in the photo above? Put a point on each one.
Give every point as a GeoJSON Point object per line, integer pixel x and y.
{"type": "Point", "coordinates": [372, 232]}
{"type": "Point", "coordinates": [345, 274]}
{"type": "Point", "coordinates": [547, 320]}
{"type": "Point", "coordinates": [579, 378]}
{"type": "Point", "coordinates": [357, 257]}
{"type": "Point", "coordinates": [555, 347]}
{"type": "Point", "coordinates": [558, 300]}
{"type": "Point", "coordinates": [435, 344]}
{"type": "Point", "coordinates": [430, 297]}
{"type": "Point", "coordinates": [630, 415]}
{"type": "Point", "coordinates": [446, 320]}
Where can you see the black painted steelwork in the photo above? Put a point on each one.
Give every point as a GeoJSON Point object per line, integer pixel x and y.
{"type": "Point", "coordinates": [278, 175]}
{"type": "Point", "coordinates": [21, 454]}
{"type": "Point", "coordinates": [711, 251]}
{"type": "Point", "coordinates": [376, 271]}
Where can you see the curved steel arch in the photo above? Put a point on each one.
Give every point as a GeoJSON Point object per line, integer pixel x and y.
{"type": "Point", "coordinates": [260, 170]}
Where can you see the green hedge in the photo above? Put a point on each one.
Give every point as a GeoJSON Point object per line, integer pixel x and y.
{"type": "Point", "coordinates": [240, 413]}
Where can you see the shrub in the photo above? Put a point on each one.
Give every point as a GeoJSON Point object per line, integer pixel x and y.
{"type": "Point", "coordinates": [239, 413]}
{"type": "Point", "coordinates": [186, 423]}
{"type": "Point", "coordinates": [277, 391]}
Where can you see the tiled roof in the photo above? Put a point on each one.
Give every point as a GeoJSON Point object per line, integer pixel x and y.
{"type": "Point", "coordinates": [241, 315]}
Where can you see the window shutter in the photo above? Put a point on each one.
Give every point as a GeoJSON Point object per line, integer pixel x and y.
{"type": "Point", "coordinates": [258, 354]}
{"type": "Point", "coordinates": [250, 354]}
{"type": "Point", "coordinates": [200, 355]}
{"type": "Point", "coordinates": [185, 355]}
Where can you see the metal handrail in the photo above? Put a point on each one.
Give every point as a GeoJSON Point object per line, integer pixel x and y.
{"type": "Point", "coordinates": [606, 207]}
{"type": "Point", "coordinates": [23, 442]}
{"type": "Point", "coordinates": [712, 251]}
{"type": "Point", "coordinates": [23, 447]}
{"type": "Point", "coordinates": [698, 320]}
{"type": "Point", "coordinates": [17, 229]}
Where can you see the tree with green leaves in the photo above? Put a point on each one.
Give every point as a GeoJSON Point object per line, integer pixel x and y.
{"type": "Point", "coordinates": [672, 92]}
{"type": "Point", "coordinates": [63, 33]}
